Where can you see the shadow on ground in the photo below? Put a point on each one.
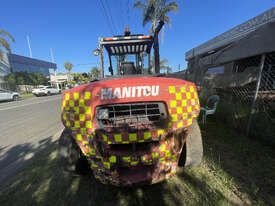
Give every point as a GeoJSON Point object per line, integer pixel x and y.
{"type": "Point", "coordinates": [235, 171]}
{"type": "Point", "coordinates": [42, 183]}
{"type": "Point", "coordinates": [245, 165]}
{"type": "Point", "coordinates": [14, 158]}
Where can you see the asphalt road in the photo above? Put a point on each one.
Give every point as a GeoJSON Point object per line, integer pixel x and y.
{"type": "Point", "coordinates": [26, 127]}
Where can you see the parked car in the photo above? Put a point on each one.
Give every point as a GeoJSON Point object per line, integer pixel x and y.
{"type": "Point", "coordinates": [6, 95]}
{"type": "Point", "coordinates": [45, 90]}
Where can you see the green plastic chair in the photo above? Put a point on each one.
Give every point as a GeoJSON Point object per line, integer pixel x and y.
{"type": "Point", "coordinates": [210, 108]}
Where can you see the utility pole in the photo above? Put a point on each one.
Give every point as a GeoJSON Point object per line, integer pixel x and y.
{"type": "Point", "coordinates": [51, 51]}
{"type": "Point", "coordinates": [30, 50]}
{"type": "Point", "coordinates": [179, 67]}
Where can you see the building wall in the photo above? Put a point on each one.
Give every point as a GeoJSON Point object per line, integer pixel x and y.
{"type": "Point", "coordinates": [4, 68]}
{"type": "Point", "coordinates": [24, 64]}
{"type": "Point", "coordinates": [60, 77]}
{"type": "Point", "coordinates": [18, 67]}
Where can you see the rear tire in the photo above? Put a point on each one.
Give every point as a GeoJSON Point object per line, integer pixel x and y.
{"type": "Point", "coordinates": [192, 152]}
{"type": "Point", "coordinates": [48, 93]}
{"type": "Point", "coordinates": [69, 156]}
{"type": "Point", "coordinates": [15, 98]}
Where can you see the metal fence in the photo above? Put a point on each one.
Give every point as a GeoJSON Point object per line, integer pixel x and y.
{"type": "Point", "coordinates": [247, 91]}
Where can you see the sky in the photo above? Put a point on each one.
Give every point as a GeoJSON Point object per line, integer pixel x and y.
{"type": "Point", "coordinates": [72, 28]}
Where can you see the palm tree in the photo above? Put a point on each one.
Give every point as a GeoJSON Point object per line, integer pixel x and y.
{"type": "Point", "coordinates": [95, 72]}
{"type": "Point", "coordinates": [162, 65]}
{"type": "Point", "coordinates": [4, 43]}
{"type": "Point", "coordinates": [155, 11]}
{"type": "Point", "coordinates": [68, 66]}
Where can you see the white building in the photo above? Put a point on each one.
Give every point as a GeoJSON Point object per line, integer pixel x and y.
{"type": "Point", "coordinates": [4, 67]}
{"type": "Point", "coordinates": [59, 78]}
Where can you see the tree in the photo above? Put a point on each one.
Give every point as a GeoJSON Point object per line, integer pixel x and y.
{"type": "Point", "coordinates": [155, 11]}
{"type": "Point", "coordinates": [4, 43]}
{"type": "Point", "coordinates": [68, 66]}
{"type": "Point", "coordinates": [25, 78]}
{"type": "Point", "coordinates": [162, 65]}
{"type": "Point", "coordinates": [95, 72]}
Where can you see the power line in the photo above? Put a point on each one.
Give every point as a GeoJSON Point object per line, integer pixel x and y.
{"type": "Point", "coordinates": [106, 17]}
{"type": "Point", "coordinates": [128, 11]}
{"type": "Point", "coordinates": [111, 16]}
{"type": "Point", "coordinates": [92, 63]}
{"type": "Point", "coordinates": [122, 15]}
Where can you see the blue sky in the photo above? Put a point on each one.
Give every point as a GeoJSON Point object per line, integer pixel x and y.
{"type": "Point", "coordinates": [72, 28]}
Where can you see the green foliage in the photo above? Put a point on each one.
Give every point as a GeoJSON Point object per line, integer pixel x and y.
{"type": "Point", "coordinates": [4, 43]}
{"type": "Point", "coordinates": [25, 78]}
{"type": "Point", "coordinates": [80, 78]}
{"type": "Point", "coordinates": [95, 72]}
{"type": "Point", "coordinates": [235, 171]}
{"type": "Point", "coordinates": [68, 66]}
{"type": "Point", "coordinates": [156, 10]}
{"type": "Point", "coordinates": [72, 82]}
{"type": "Point", "coordinates": [262, 127]}
{"type": "Point", "coordinates": [162, 65]}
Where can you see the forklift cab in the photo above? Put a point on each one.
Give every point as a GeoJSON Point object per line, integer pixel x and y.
{"type": "Point", "coordinates": [128, 54]}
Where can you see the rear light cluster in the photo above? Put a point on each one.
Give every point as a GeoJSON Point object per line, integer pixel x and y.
{"type": "Point", "coordinates": [127, 37]}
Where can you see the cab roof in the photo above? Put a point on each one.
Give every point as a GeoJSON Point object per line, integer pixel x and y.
{"type": "Point", "coordinates": [132, 44]}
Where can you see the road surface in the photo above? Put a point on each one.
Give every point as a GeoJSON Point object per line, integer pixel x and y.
{"type": "Point", "coordinates": [26, 127]}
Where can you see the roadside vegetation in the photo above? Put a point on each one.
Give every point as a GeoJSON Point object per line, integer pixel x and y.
{"type": "Point", "coordinates": [25, 78]}
{"type": "Point", "coordinates": [235, 171]}
{"type": "Point", "coordinates": [26, 95]}
{"type": "Point", "coordinates": [156, 13]}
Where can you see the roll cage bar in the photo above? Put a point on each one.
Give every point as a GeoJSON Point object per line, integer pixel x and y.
{"type": "Point", "coordinates": [123, 45]}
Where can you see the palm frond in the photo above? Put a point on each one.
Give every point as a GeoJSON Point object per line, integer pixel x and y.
{"type": "Point", "coordinates": [5, 44]}
{"type": "Point", "coordinates": [151, 29]}
{"type": "Point", "coordinates": [152, 2]}
{"type": "Point", "coordinates": [163, 61]}
{"type": "Point", "coordinates": [1, 54]}
{"type": "Point", "coordinates": [140, 5]}
{"type": "Point", "coordinates": [167, 20]}
{"type": "Point", "coordinates": [148, 14]}
{"type": "Point", "coordinates": [172, 6]}
{"type": "Point", "coordinates": [7, 34]}
{"type": "Point", "coordinates": [68, 66]}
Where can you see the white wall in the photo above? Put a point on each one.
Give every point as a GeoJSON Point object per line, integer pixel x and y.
{"type": "Point", "coordinates": [4, 67]}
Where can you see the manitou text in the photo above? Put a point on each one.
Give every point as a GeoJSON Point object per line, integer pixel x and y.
{"type": "Point", "coordinates": [129, 92]}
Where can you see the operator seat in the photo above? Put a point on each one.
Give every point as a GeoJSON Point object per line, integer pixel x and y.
{"type": "Point", "coordinates": [128, 68]}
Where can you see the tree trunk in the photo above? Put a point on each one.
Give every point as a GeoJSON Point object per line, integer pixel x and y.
{"type": "Point", "coordinates": [156, 46]}
{"type": "Point", "coordinates": [156, 54]}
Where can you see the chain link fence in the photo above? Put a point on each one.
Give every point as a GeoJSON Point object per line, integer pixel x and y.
{"type": "Point", "coordinates": [263, 112]}
{"type": "Point", "coordinates": [247, 91]}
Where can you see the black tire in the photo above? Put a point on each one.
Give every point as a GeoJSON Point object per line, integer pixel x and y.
{"type": "Point", "coordinates": [192, 152]}
{"type": "Point", "coordinates": [15, 98]}
{"type": "Point", "coordinates": [48, 93]}
{"type": "Point", "coordinates": [69, 156]}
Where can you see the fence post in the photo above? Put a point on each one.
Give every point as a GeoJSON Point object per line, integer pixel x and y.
{"type": "Point", "coordinates": [252, 110]}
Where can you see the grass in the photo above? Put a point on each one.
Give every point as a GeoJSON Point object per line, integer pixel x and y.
{"type": "Point", "coordinates": [235, 171]}
{"type": "Point", "coordinates": [26, 95]}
